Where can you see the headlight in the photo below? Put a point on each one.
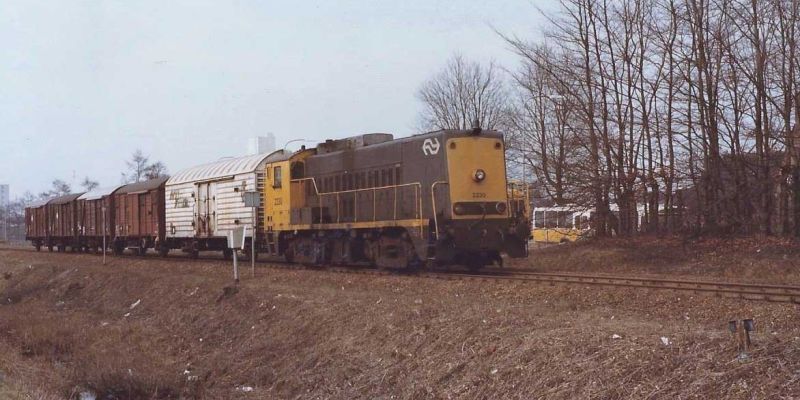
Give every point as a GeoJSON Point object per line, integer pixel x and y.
{"type": "Point", "coordinates": [480, 175]}
{"type": "Point", "coordinates": [500, 207]}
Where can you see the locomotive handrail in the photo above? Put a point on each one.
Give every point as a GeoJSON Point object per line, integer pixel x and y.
{"type": "Point", "coordinates": [417, 194]}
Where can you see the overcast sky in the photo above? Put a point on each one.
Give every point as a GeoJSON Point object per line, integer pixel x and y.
{"type": "Point", "coordinates": [84, 83]}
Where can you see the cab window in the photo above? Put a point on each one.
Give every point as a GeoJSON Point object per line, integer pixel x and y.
{"type": "Point", "coordinates": [277, 178]}
{"type": "Point", "coordinates": [298, 170]}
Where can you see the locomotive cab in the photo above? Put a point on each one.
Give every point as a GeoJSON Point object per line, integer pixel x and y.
{"type": "Point", "coordinates": [478, 224]}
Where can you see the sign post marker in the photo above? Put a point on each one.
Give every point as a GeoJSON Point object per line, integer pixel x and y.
{"type": "Point", "coordinates": [236, 241]}
{"type": "Point", "coordinates": [252, 200]}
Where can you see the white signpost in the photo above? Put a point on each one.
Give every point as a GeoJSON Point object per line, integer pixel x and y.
{"type": "Point", "coordinates": [236, 241]}
{"type": "Point", "coordinates": [252, 200]}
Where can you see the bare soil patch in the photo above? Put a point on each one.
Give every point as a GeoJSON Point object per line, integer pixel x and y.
{"type": "Point", "coordinates": [167, 329]}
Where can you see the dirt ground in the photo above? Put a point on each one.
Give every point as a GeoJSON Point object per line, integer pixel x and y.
{"type": "Point", "coordinates": [152, 328]}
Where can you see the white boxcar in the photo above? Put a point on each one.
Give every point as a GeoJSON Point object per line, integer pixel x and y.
{"type": "Point", "coordinates": [205, 202]}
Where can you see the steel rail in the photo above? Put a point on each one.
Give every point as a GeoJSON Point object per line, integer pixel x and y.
{"type": "Point", "coordinates": [745, 291]}
{"type": "Point", "coordinates": [788, 288]}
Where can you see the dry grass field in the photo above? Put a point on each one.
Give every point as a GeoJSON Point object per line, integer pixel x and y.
{"type": "Point", "coordinates": [167, 329]}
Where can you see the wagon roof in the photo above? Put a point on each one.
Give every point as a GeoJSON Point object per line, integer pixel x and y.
{"type": "Point", "coordinates": [99, 193]}
{"type": "Point", "coordinates": [64, 199]}
{"type": "Point", "coordinates": [226, 167]}
{"type": "Point", "coordinates": [142, 186]}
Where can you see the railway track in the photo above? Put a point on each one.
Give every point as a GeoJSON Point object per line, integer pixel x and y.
{"type": "Point", "coordinates": [746, 291]}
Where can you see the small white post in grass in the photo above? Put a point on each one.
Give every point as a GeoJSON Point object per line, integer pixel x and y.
{"type": "Point", "coordinates": [236, 241]}
{"type": "Point", "coordinates": [252, 200]}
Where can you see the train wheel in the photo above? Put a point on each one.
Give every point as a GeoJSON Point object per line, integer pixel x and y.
{"type": "Point", "coordinates": [50, 248]}
{"type": "Point", "coordinates": [118, 248]}
{"type": "Point", "coordinates": [288, 254]}
{"type": "Point", "coordinates": [61, 248]}
{"type": "Point", "coordinates": [163, 251]}
{"type": "Point", "coordinates": [38, 246]}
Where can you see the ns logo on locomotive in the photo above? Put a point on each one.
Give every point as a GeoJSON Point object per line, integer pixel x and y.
{"type": "Point", "coordinates": [427, 200]}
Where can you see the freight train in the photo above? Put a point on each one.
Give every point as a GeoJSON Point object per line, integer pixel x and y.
{"type": "Point", "coordinates": [437, 198]}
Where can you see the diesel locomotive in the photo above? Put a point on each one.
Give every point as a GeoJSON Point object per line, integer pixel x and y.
{"type": "Point", "coordinates": [432, 199]}
{"type": "Point", "coordinates": [439, 197]}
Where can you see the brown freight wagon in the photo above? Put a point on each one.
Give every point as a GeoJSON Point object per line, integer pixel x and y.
{"type": "Point", "coordinates": [62, 222]}
{"type": "Point", "coordinates": [139, 216]}
{"type": "Point", "coordinates": [36, 223]}
{"type": "Point", "coordinates": [96, 218]}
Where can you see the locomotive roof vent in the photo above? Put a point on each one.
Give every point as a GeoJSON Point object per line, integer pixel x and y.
{"type": "Point", "coordinates": [330, 146]}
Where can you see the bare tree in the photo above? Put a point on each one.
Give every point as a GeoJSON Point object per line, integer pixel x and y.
{"type": "Point", "coordinates": [140, 168]}
{"type": "Point", "coordinates": [542, 132]}
{"type": "Point", "coordinates": [684, 110]}
{"type": "Point", "coordinates": [89, 184]}
{"type": "Point", "coordinates": [14, 216]}
{"type": "Point", "coordinates": [58, 188]}
{"type": "Point", "coordinates": [156, 170]}
{"type": "Point", "coordinates": [462, 93]}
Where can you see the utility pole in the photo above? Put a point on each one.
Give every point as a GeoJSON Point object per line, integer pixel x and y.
{"type": "Point", "coordinates": [105, 231]}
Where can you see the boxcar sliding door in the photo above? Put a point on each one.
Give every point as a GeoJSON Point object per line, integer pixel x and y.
{"type": "Point", "coordinates": [202, 210]}
{"type": "Point", "coordinates": [212, 208]}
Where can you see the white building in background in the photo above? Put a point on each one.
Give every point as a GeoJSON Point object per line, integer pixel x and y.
{"type": "Point", "coordinates": [261, 144]}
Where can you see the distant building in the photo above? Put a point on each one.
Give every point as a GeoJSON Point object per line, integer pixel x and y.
{"type": "Point", "coordinates": [261, 144]}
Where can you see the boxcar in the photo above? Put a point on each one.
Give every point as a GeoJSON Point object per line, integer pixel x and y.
{"type": "Point", "coordinates": [96, 217]}
{"type": "Point", "coordinates": [36, 223]}
{"type": "Point", "coordinates": [62, 222]}
{"type": "Point", "coordinates": [205, 202]}
{"type": "Point", "coordinates": [139, 216]}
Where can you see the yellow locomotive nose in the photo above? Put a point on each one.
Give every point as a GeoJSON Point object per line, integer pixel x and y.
{"type": "Point", "coordinates": [477, 192]}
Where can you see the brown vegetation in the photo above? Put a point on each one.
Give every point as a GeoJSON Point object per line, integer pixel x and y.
{"type": "Point", "coordinates": [149, 328]}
